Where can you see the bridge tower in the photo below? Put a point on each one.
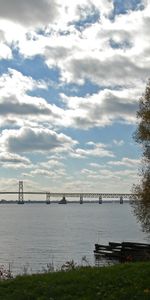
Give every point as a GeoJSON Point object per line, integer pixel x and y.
{"type": "Point", "coordinates": [81, 199]}
{"type": "Point", "coordinates": [100, 199]}
{"type": "Point", "coordinates": [48, 195]}
{"type": "Point", "coordinates": [121, 199]}
{"type": "Point", "coordinates": [20, 193]}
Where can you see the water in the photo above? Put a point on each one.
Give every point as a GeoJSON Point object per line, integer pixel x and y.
{"type": "Point", "coordinates": [33, 235]}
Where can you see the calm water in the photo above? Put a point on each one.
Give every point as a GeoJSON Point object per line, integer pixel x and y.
{"type": "Point", "coordinates": [36, 234]}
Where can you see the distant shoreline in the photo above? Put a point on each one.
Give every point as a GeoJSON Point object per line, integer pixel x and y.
{"type": "Point", "coordinates": [57, 202]}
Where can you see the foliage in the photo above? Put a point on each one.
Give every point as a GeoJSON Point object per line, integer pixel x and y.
{"type": "Point", "coordinates": [49, 268]}
{"type": "Point", "coordinates": [5, 273]}
{"type": "Point", "coordinates": [124, 281]}
{"type": "Point", "coordinates": [68, 266]}
{"type": "Point", "coordinates": [141, 201]}
{"type": "Point", "coordinates": [71, 265]}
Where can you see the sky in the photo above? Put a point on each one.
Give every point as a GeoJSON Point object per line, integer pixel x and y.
{"type": "Point", "coordinates": [71, 75]}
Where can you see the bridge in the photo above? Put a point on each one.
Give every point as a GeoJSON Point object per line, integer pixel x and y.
{"type": "Point", "coordinates": [63, 196]}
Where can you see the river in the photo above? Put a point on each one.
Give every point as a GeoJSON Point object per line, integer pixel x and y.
{"type": "Point", "coordinates": [33, 235]}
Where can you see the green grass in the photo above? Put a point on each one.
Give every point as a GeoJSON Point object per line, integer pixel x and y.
{"type": "Point", "coordinates": [120, 282]}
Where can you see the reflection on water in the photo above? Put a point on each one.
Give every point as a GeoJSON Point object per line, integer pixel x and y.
{"type": "Point", "coordinates": [36, 234]}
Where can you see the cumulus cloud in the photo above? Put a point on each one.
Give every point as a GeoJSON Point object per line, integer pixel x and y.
{"type": "Point", "coordinates": [101, 109]}
{"type": "Point", "coordinates": [52, 174]}
{"type": "Point", "coordinates": [80, 10]}
{"type": "Point", "coordinates": [5, 51]}
{"type": "Point", "coordinates": [11, 106]}
{"type": "Point", "coordinates": [102, 53]}
{"type": "Point", "coordinates": [126, 162]}
{"type": "Point", "coordinates": [30, 12]}
{"type": "Point", "coordinates": [17, 107]}
{"type": "Point", "coordinates": [14, 82]}
{"type": "Point", "coordinates": [12, 160]}
{"type": "Point", "coordinates": [92, 149]}
{"type": "Point", "coordinates": [29, 111]}
{"type": "Point", "coordinates": [104, 180]}
{"type": "Point", "coordinates": [42, 173]}
{"type": "Point", "coordinates": [119, 68]}
{"type": "Point", "coordinates": [101, 174]}
{"type": "Point", "coordinates": [50, 168]}
{"type": "Point", "coordinates": [51, 164]}
{"type": "Point", "coordinates": [105, 174]}
{"type": "Point", "coordinates": [35, 139]}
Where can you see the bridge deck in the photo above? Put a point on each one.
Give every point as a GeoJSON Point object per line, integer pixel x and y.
{"type": "Point", "coordinates": [85, 195]}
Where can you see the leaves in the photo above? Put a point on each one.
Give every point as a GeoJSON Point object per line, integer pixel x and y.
{"type": "Point", "coordinates": [141, 201]}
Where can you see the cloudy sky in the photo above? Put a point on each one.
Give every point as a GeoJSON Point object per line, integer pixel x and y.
{"type": "Point", "coordinates": [71, 74]}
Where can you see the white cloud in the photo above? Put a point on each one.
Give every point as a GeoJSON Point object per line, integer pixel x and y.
{"type": "Point", "coordinates": [5, 51]}
{"type": "Point", "coordinates": [35, 139]}
{"type": "Point", "coordinates": [120, 68]}
{"type": "Point", "coordinates": [42, 173]}
{"type": "Point", "coordinates": [127, 162]}
{"type": "Point", "coordinates": [101, 109]}
{"type": "Point", "coordinates": [52, 174]}
{"type": "Point", "coordinates": [30, 12]}
{"type": "Point", "coordinates": [14, 161]}
{"type": "Point", "coordinates": [96, 149]}
{"type": "Point", "coordinates": [49, 15]}
{"type": "Point", "coordinates": [18, 108]}
{"type": "Point", "coordinates": [89, 54]}
{"type": "Point", "coordinates": [118, 142]}
{"type": "Point", "coordinates": [52, 164]}
{"type": "Point", "coordinates": [95, 165]}
{"type": "Point", "coordinates": [106, 180]}
{"type": "Point", "coordinates": [99, 174]}
{"type": "Point", "coordinates": [15, 83]}
{"type": "Point", "coordinates": [79, 10]}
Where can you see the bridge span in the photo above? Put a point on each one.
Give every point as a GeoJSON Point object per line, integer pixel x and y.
{"type": "Point", "coordinates": [64, 195]}
{"type": "Point", "coordinates": [75, 194]}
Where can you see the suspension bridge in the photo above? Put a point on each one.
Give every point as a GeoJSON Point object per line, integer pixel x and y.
{"type": "Point", "coordinates": [64, 195]}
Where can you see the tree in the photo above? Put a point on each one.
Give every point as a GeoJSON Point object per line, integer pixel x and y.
{"type": "Point", "coordinates": [141, 201]}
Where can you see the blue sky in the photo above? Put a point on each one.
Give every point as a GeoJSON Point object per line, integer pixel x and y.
{"type": "Point", "coordinates": [71, 75]}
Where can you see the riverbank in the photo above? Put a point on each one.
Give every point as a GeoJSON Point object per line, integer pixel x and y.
{"type": "Point", "coordinates": [124, 281]}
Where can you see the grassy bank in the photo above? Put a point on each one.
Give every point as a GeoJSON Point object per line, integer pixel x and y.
{"type": "Point", "coordinates": [120, 282]}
